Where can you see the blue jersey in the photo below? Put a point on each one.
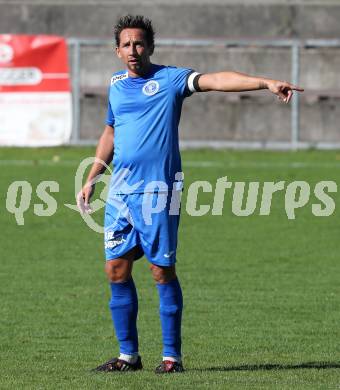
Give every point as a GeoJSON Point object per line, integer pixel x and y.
{"type": "Point", "coordinates": [145, 113]}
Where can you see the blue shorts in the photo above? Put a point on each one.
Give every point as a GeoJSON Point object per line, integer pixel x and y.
{"type": "Point", "coordinates": [147, 221]}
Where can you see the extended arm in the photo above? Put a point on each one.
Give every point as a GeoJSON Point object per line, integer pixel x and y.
{"type": "Point", "coordinates": [238, 82]}
{"type": "Point", "coordinates": [104, 153]}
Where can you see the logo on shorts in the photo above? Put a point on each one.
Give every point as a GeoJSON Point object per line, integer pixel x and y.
{"type": "Point", "coordinates": [111, 241]}
{"type": "Point", "coordinates": [151, 88]}
{"type": "Point", "coordinates": [167, 255]}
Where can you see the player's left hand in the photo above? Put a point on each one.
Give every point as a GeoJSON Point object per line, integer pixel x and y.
{"type": "Point", "coordinates": [283, 89]}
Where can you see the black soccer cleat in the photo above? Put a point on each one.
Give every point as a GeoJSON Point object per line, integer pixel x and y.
{"type": "Point", "coordinates": [117, 364]}
{"type": "Point", "coordinates": [168, 367]}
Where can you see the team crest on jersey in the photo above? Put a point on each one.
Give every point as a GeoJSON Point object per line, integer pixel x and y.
{"type": "Point", "coordinates": [151, 88]}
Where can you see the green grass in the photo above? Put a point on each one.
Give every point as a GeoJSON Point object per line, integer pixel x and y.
{"type": "Point", "coordinates": [262, 293]}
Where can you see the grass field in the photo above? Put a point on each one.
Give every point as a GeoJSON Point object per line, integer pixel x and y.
{"type": "Point", "coordinates": [262, 293]}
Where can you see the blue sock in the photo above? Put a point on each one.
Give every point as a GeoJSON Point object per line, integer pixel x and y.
{"type": "Point", "coordinates": [124, 309]}
{"type": "Point", "coordinates": [170, 309]}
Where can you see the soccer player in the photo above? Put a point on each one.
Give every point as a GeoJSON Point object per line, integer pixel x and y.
{"type": "Point", "coordinates": [141, 136]}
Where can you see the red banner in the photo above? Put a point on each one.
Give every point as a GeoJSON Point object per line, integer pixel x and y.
{"type": "Point", "coordinates": [35, 87]}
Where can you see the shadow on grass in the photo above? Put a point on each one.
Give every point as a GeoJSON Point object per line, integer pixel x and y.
{"type": "Point", "coordinates": [269, 366]}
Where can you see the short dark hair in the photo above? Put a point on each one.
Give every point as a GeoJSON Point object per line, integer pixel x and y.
{"type": "Point", "coordinates": [137, 21]}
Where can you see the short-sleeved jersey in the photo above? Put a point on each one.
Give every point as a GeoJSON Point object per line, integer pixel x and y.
{"type": "Point", "coordinates": [145, 113]}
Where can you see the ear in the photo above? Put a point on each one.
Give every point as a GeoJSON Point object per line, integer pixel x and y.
{"type": "Point", "coordinates": [118, 52]}
{"type": "Point", "coordinates": [151, 49]}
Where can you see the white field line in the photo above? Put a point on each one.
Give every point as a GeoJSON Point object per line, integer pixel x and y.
{"type": "Point", "coordinates": [33, 163]}
{"type": "Point", "coordinates": [189, 164]}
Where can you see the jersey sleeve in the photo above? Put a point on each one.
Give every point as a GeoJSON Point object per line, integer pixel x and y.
{"type": "Point", "coordinates": [110, 119]}
{"type": "Point", "coordinates": [184, 80]}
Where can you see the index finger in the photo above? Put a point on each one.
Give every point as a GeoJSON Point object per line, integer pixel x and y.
{"type": "Point", "coordinates": [296, 88]}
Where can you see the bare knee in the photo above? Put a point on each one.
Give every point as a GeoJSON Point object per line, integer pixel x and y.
{"type": "Point", "coordinates": [163, 274]}
{"type": "Point", "coordinates": [118, 270]}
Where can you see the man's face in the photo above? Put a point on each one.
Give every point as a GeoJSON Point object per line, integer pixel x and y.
{"type": "Point", "coordinates": [134, 51]}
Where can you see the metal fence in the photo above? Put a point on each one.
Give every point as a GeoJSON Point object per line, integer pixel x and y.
{"type": "Point", "coordinates": [294, 45]}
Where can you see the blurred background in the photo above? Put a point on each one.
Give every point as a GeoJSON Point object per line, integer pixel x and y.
{"type": "Point", "coordinates": [295, 41]}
